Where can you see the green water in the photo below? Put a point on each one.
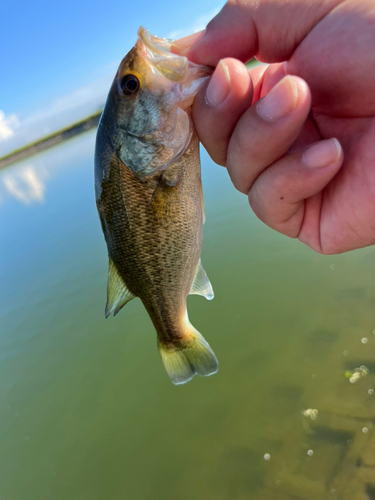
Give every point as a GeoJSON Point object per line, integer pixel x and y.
{"type": "Point", "coordinates": [86, 410]}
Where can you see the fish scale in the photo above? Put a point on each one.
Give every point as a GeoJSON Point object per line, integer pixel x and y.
{"type": "Point", "coordinates": [152, 222]}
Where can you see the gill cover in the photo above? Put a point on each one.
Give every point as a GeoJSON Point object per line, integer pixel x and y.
{"type": "Point", "coordinates": [153, 126]}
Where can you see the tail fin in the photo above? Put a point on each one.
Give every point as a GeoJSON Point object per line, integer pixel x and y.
{"type": "Point", "coordinates": [190, 355]}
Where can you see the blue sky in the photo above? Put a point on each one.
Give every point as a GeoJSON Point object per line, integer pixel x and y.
{"type": "Point", "coordinates": [59, 57]}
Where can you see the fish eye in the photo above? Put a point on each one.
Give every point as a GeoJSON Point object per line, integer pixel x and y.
{"type": "Point", "coordinates": [129, 85]}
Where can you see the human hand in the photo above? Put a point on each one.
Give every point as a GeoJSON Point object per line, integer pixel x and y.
{"type": "Point", "coordinates": [274, 132]}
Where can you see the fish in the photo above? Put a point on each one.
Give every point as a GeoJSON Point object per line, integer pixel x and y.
{"type": "Point", "coordinates": [149, 198]}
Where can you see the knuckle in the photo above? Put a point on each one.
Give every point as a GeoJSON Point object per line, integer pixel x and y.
{"type": "Point", "coordinates": [216, 149]}
{"type": "Point", "coordinates": [278, 185]}
{"type": "Point", "coordinates": [238, 178]}
{"type": "Point", "coordinates": [218, 158]}
{"type": "Point", "coordinates": [242, 141]}
{"type": "Point", "coordinates": [256, 202]}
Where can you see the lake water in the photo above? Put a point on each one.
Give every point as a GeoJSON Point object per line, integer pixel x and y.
{"type": "Point", "coordinates": [86, 409]}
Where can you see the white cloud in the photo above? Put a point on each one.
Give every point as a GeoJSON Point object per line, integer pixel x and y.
{"type": "Point", "coordinates": [198, 25]}
{"type": "Point", "coordinates": [26, 185]}
{"type": "Point", "coordinates": [7, 125]}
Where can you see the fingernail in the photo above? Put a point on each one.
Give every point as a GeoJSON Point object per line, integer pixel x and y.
{"type": "Point", "coordinates": [183, 44]}
{"type": "Point", "coordinates": [280, 101]}
{"type": "Point", "coordinates": [219, 86]}
{"type": "Point", "coordinates": [322, 154]}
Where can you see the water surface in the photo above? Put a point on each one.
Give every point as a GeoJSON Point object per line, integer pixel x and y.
{"type": "Point", "coordinates": [86, 410]}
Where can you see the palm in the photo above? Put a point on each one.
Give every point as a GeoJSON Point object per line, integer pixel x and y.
{"type": "Point", "coordinates": [342, 216]}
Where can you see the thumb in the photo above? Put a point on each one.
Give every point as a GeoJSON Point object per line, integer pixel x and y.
{"type": "Point", "coordinates": [265, 29]}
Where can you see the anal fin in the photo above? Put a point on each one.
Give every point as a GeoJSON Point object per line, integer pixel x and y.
{"type": "Point", "coordinates": [201, 284]}
{"type": "Point", "coordinates": [117, 292]}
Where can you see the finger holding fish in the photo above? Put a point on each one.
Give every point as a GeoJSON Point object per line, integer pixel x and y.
{"type": "Point", "coordinates": [220, 104]}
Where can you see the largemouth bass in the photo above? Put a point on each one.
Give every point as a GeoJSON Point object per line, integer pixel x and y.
{"type": "Point", "coordinates": [149, 198]}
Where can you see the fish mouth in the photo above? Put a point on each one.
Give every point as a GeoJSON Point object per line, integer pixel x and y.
{"type": "Point", "coordinates": [155, 44]}
{"type": "Point", "coordinates": [169, 84]}
{"type": "Point", "coordinates": [157, 52]}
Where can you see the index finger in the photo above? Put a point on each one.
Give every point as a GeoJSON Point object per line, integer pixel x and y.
{"type": "Point", "coordinates": [267, 30]}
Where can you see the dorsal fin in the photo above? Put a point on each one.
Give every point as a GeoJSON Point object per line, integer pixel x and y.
{"type": "Point", "coordinates": [201, 284]}
{"type": "Point", "coordinates": [117, 292]}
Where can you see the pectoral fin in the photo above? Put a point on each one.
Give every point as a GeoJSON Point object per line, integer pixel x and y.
{"type": "Point", "coordinates": [201, 284]}
{"type": "Point", "coordinates": [117, 292]}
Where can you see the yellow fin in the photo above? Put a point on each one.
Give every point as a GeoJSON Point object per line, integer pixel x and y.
{"type": "Point", "coordinates": [117, 292]}
{"type": "Point", "coordinates": [201, 284]}
{"type": "Point", "coordinates": [191, 355]}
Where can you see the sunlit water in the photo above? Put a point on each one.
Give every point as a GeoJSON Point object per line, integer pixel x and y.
{"type": "Point", "coordinates": [86, 409]}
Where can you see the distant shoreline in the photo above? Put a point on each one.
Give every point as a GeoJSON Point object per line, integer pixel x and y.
{"type": "Point", "coordinates": [51, 140]}
{"type": "Point", "coordinates": [62, 135]}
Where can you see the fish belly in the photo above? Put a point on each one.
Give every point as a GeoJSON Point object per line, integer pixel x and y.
{"type": "Point", "coordinates": [154, 235]}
